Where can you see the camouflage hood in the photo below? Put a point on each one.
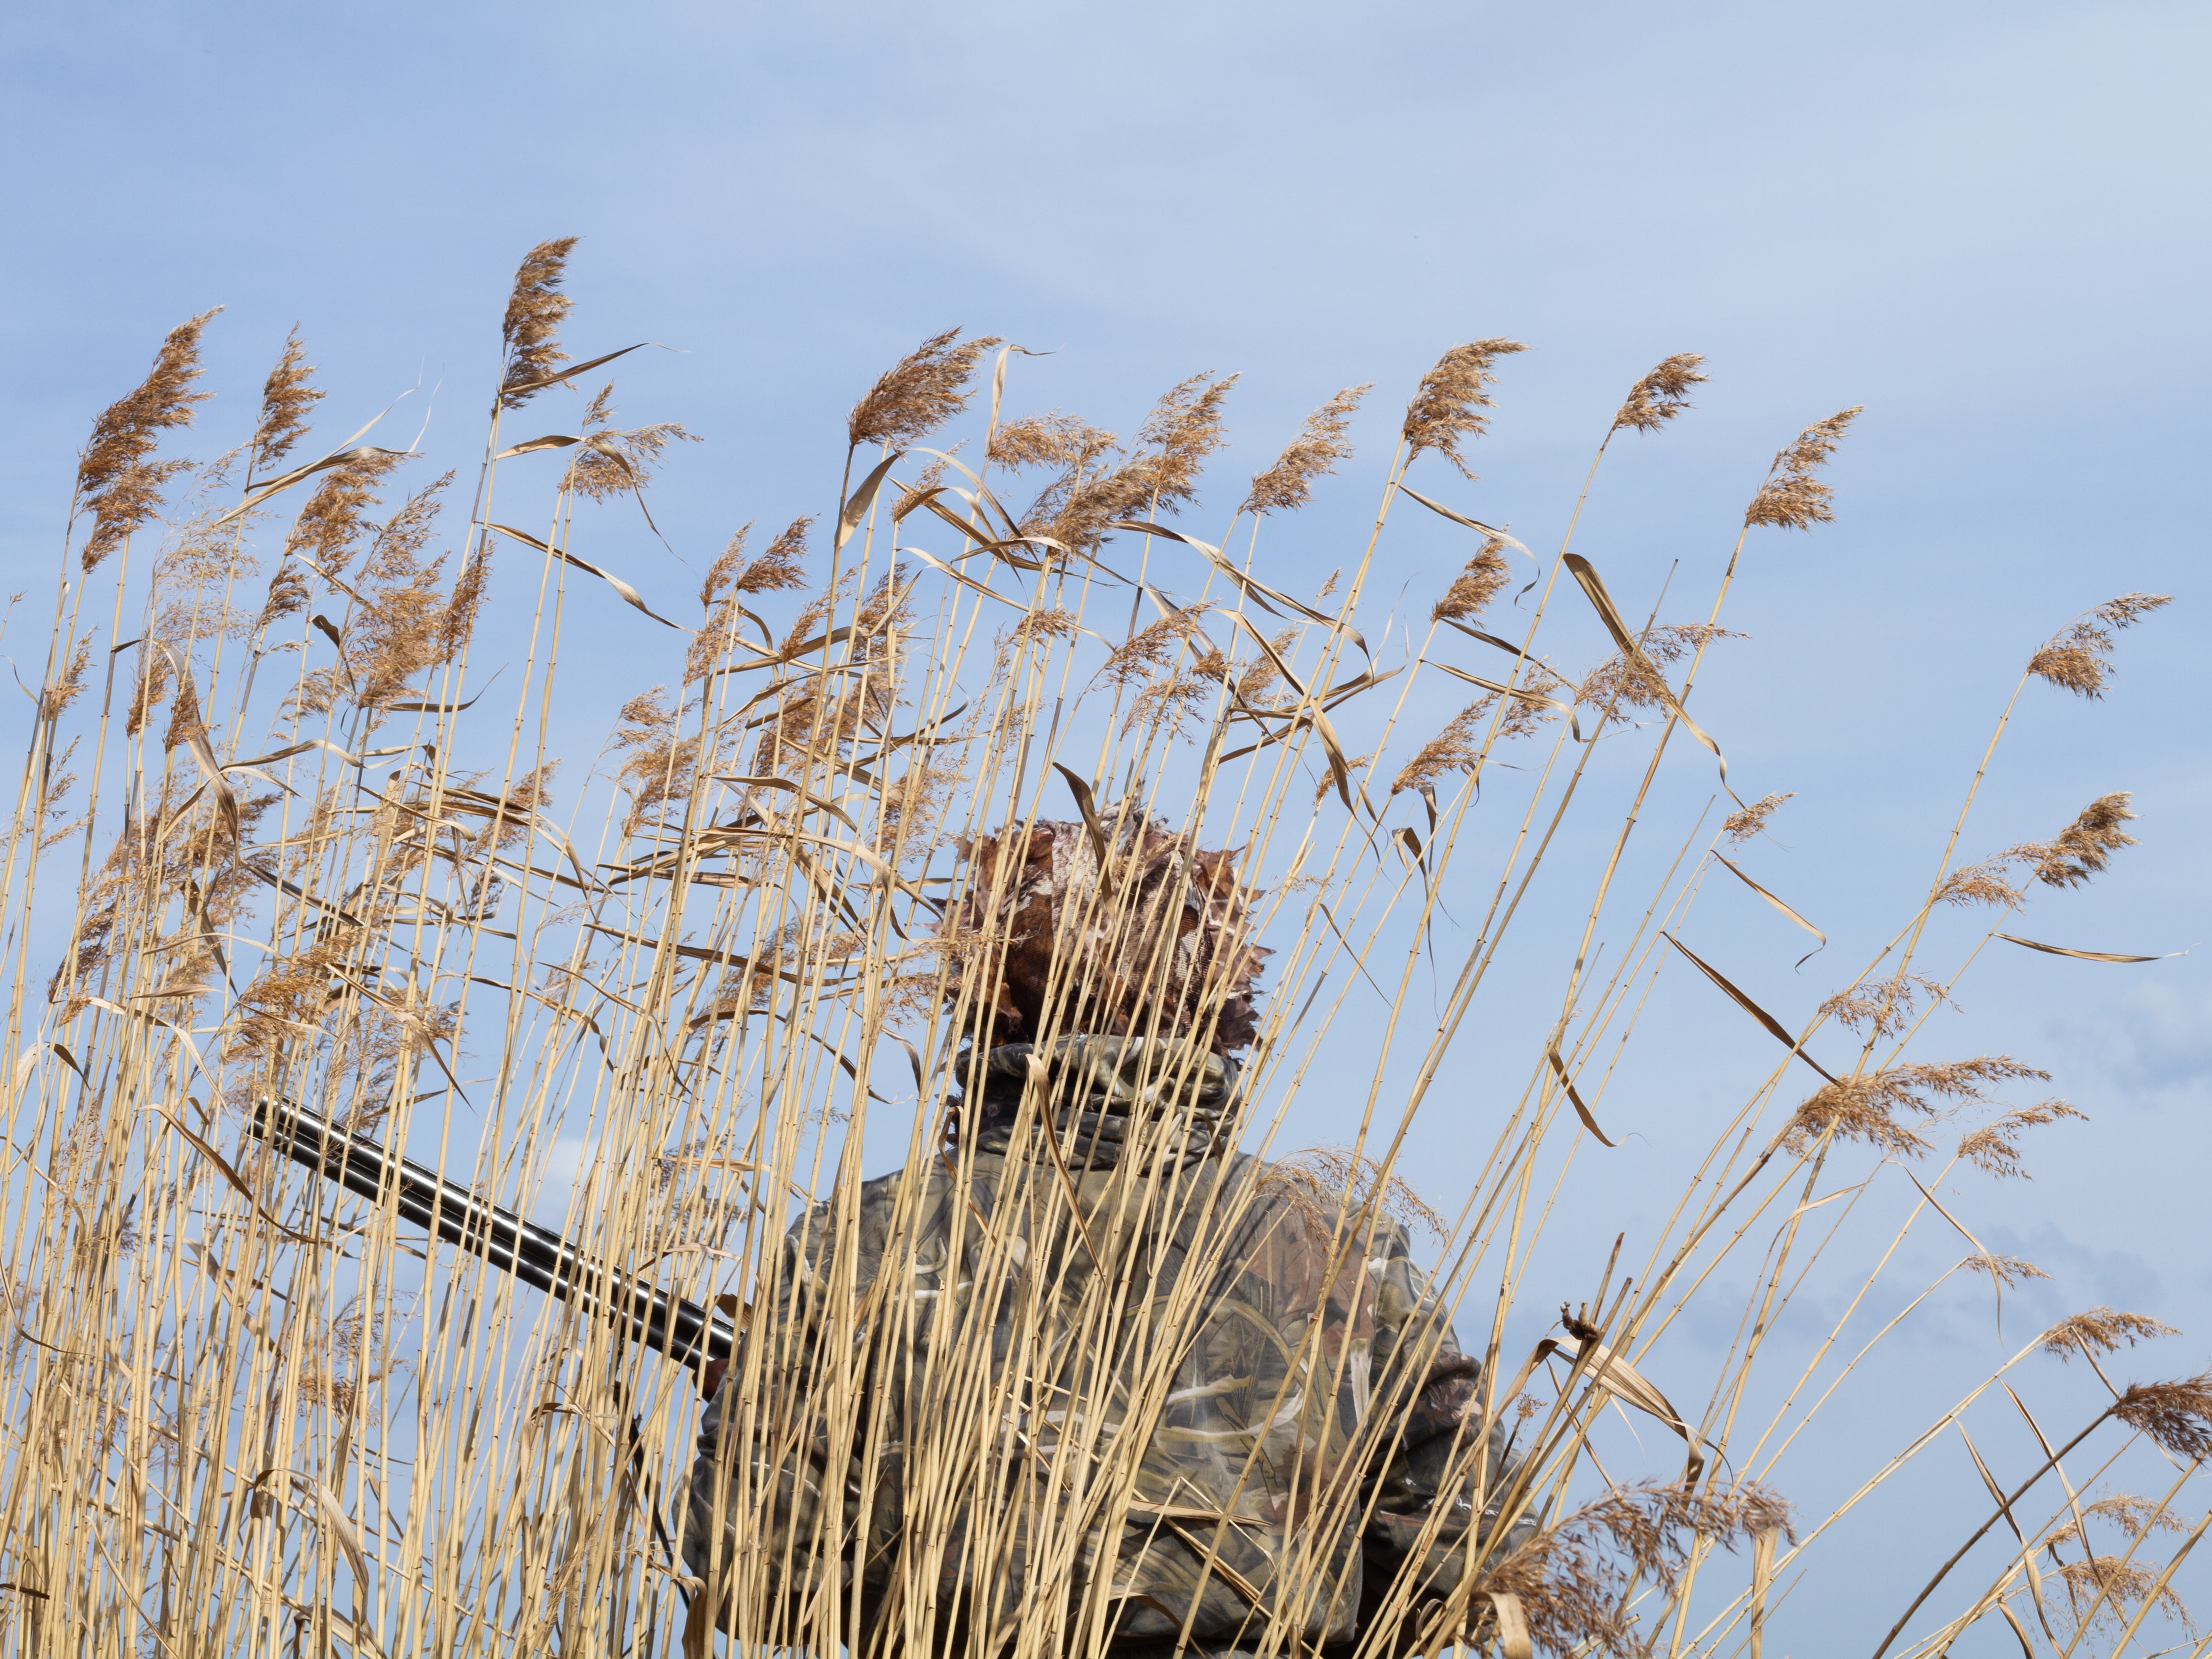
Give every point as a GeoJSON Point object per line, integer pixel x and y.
{"type": "Point", "coordinates": [1158, 1099]}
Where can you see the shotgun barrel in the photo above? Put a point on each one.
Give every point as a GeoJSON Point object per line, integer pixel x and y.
{"type": "Point", "coordinates": [684, 1331]}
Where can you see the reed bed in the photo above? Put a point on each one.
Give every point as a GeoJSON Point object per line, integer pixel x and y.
{"type": "Point", "coordinates": [280, 835]}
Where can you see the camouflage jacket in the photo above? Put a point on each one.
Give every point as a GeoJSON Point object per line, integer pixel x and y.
{"type": "Point", "coordinates": [1215, 1412]}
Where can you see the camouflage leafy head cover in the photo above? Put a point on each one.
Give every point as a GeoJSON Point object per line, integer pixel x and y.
{"type": "Point", "coordinates": [1161, 947]}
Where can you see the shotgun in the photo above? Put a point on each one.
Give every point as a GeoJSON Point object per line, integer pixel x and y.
{"type": "Point", "coordinates": [684, 1331]}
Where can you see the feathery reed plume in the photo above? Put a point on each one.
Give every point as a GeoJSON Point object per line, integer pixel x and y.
{"type": "Point", "coordinates": [609, 461]}
{"type": "Point", "coordinates": [733, 578]}
{"type": "Point", "coordinates": [919, 393]}
{"type": "Point", "coordinates": [2131, 1515]}
{"type": "Point", "coordinates": [1662, 394]}
{"type": "Point", "coordinates": [661, 765]}
{"type": "Point", "coordinates": [1288, 485]}
{"type": "Point", "coordinates": [1741, 826]}
{"type": "Point", "coordinates": [2084, 847]}
{"type": "Point", "coordinates": [1619, 684]}
{"type": "Point", "coordinates": [1884, 1006]}
{"type": "Point", "coordinates": [286, 397]}
{"type": "Point", "coordinates": [1485, 574]}
{"type": "Point", "coordinates": [1792, 498]}
{"type": "Point", "coordinates": [1985, 883]}
{"type": "Point", "coordinates": [1184, 427]}
{"type": "Point", "coordinates": [1865, 1108]}
{"type": "Point", "coordinates": [69, 684]}
{"type": "Point", "coordinates": [2079, 658]}
{"type": "Point", "coordinates": [1995, 1147]}
{"type": "Point", "coordinates": [2007, 1270]}
{"type": "Point", "coordinates": [1447, 406]}
{"type": "Point", "coordinates": [530, 329]}
{"type": "Point", "coordinates": [2102, 1588]}
{"type": "Point", "coordinates": [330, 525]}
{"type": "Point", "coordinates": [1149, 651]}
{"type": "Point", "coordinates": [186, 721]}
{"type": "Point", "coordinates": [1452, 750]}
{"type": "Point", "coordinates": [457, 624]}
{"type": "Point", "coordinates": [2101, 1330]}
{"type": "Point", "coordinates": [2177, 1415]}
{"type": "Point", "coordinates": [1049, 440]}
{"type": "Point", "coordinates": [1577, 1579]}
{"type": "Point", "coordinates": [1074, 509]}
{"type": "Point", "coordinates": [288, 596]}
{"type": "Point", "coordinates": [115, 481]}
{"type": "Point", "coordinates": [409, 623]}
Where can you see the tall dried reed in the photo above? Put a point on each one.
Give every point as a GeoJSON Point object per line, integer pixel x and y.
{"type": "Point", "coordinates": [246, 1414]}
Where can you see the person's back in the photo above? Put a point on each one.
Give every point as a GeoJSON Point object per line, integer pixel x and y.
{"type": "Point", "coordinates": [1089, 1359]}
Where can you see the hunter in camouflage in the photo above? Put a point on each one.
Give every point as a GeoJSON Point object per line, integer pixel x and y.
{"type": "Point", "coordinates": [1090, 1352]}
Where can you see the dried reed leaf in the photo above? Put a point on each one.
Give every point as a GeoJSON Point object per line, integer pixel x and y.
{"type": "Point", "coordinates": [261, 493]}
{"type": "Point", "coordinates": [967, 582]}
{"type": "Point", "coordinates": [1506, 645]}
{"type": "Point", "coordinates": [1490, 531]}
{"type": "Point", "coordinates": [419, 706]}
{"type": "Point", "coordinates": [223, 1168]}
{"type": "Point", "coordinates": [2084, 955]}
{"type": "Point", "coordinates": [629, 593]}
{"type": "Point", "coordinates": [1780, 906]}
{"type": "Point", "coordinates": [1608, 1371]}
{"type": "Point", "coordinates": [538, 383]}
{"type": "Point", "coordinates": [862, 498]}
{"type": "Point", "coordinates": [1265, 596]}
{"type": "Point", "coordinates": [1086, 802]}
{"type": "Point", "coordinates": [1773, 1025]}
{"type": "Point", "coordinates": [530, 447]}
{"type": "Point", "coordinates": [1568, 1083]}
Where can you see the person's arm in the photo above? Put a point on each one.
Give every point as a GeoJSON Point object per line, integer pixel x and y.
{"type": "Point", "coordinates": [1428, 1395]}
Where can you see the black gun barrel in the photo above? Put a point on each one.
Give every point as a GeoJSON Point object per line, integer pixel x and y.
{"type": "Point", "coordinates": [684, 1331]}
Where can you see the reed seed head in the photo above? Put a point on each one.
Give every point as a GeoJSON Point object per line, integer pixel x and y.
{"type": "Point", "coordinates": [530, 329]}
{"type": "Point", "coordinates": [609, 461]}
{"type": "Point", "coordinates": [2101, 1331]}
{"type": "Point", "coordinates": [1662, 394]}
{"type": "Point", "coordinates": [286, 397]}
{"type": "Point", "coordinates": [1577, 1579]}
{"type": "Point", "coordinates": [919, 393]}
{"type": "Point", "coordinates": [1452, 750]}
{"type": "Point", "coordinates": [1995, 1147]}
{"type": "Point", "coordinates": [2079, 658]}
{"type": "Point", "coordinates": [1620, 683]}
{"type": "Point", "coordinates": [1288, 485]}
{"type": "Point", "coordinates": [2085, 846]}
{"type": "Point", "coordinates": [1447, 407]}
{"type": "Point", "coordinates": [1868, 1108]}
{"type": "Point", "coordinates": [1793, 497]}
{"type": "Point", "coordinates": [329, 526]}
{"type": "Point", "coordinates": [116, 481]}
{"type": "Point", "coordinates": [2007, 1270]}
{"type": "Point", "coordinates": [2177, 1415]}
{"type": "Point", "coordinates": [1741, 826]}
{"type": "Point", "coordinates": [1475, 586]}
{"type": "Point", "coordinates": [69, 684]}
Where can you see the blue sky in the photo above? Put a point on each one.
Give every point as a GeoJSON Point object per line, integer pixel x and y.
{"type": "Point", "coordinates": [1987, 224]}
